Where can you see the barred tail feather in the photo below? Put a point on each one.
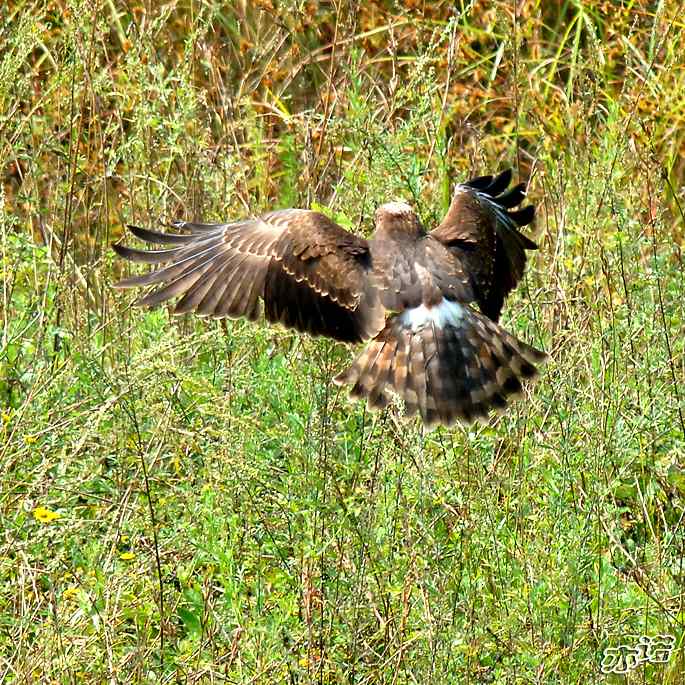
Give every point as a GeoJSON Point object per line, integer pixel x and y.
{"type": "Point", "coordinates": [447, 362]}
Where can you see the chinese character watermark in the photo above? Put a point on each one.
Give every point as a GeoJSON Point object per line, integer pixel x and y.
{"type": "Point", "coordinates": [651, 650]}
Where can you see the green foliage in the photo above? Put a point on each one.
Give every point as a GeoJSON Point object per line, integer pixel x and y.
{"type": "Point", "coordinates": [192, 500]}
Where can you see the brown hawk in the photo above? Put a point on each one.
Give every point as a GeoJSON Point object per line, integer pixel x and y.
{"type": "Point", "coordinates": [410, 292]}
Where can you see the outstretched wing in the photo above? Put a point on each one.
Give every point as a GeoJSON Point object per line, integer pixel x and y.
{"type": "Point", "coordinates": [481, 231]}
{"type": "Point", "coordinates": [309, 272]}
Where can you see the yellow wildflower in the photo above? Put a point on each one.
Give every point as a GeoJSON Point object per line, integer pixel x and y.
{"type": "Point", "coordinates": [45, 515]}
{"type": "Point", "coordinates": [70, 593]}
{"type": "Point", "coordinates": [127, 556]}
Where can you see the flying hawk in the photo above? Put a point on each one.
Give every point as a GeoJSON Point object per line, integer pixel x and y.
{"type": "Point", "coordinates": [408, 291]}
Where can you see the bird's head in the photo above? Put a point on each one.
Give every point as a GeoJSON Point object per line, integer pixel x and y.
{"type": "Point", "coordinates": [397, 218]}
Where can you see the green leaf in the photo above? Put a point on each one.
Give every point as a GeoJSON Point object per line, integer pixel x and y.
{"type": "Point", "coordinates": [192, 623]}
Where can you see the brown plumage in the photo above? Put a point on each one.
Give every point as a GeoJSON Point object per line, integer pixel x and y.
{"type": "Point", "coordinates": [409, 291]}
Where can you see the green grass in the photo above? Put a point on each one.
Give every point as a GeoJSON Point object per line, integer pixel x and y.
{"type": "Point", "coordinates": [184, 500]}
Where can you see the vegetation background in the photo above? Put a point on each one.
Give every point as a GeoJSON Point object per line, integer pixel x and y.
{"type": "Point", "coordinates": [193, 501]}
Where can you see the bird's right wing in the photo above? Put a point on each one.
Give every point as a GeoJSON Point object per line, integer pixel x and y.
{"type": "Point", "coordinates": [310, 273]}
{"type": "Point", "coordinates": [480, 228]}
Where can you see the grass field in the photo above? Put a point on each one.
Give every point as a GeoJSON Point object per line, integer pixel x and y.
{"type": "Point", "coordinates": [194, 501]}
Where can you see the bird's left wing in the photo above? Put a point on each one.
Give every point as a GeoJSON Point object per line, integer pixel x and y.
{"type": "Point", "coordinates": [309, 272]}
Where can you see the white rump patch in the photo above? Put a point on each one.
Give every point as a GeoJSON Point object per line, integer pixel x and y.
{"type": "Point", "coordinates": [443, 314]}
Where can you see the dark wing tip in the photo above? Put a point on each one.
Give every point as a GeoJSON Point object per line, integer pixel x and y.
{"type": "Point", "coordinates": [146, 234]}
{"type": "Point", "coordinates": [149, 236]}
{"type": "Point", "coordinates": [514, 196]}
{"type": "Point", "coordinates": [119, 249]}
{"type": "Point", "coordinates": [495, 188]}
{"type": "Point", "coordinates": [524, 216]}
{"type": "Point", "coordinates": [144, 256]}
{"type": "Point", "coordinates": [129, 253]}
{"type": "Point", "coordinates": [500, 183]}
{"type": "Point", "coordinates": [479, 183]}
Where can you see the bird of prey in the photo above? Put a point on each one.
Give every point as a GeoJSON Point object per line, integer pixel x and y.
{"type": "Point", "coordinates": [410, 292]}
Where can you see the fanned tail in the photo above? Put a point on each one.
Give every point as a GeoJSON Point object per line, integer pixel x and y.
{"type": "Point", "coordinates": [448, 363]}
